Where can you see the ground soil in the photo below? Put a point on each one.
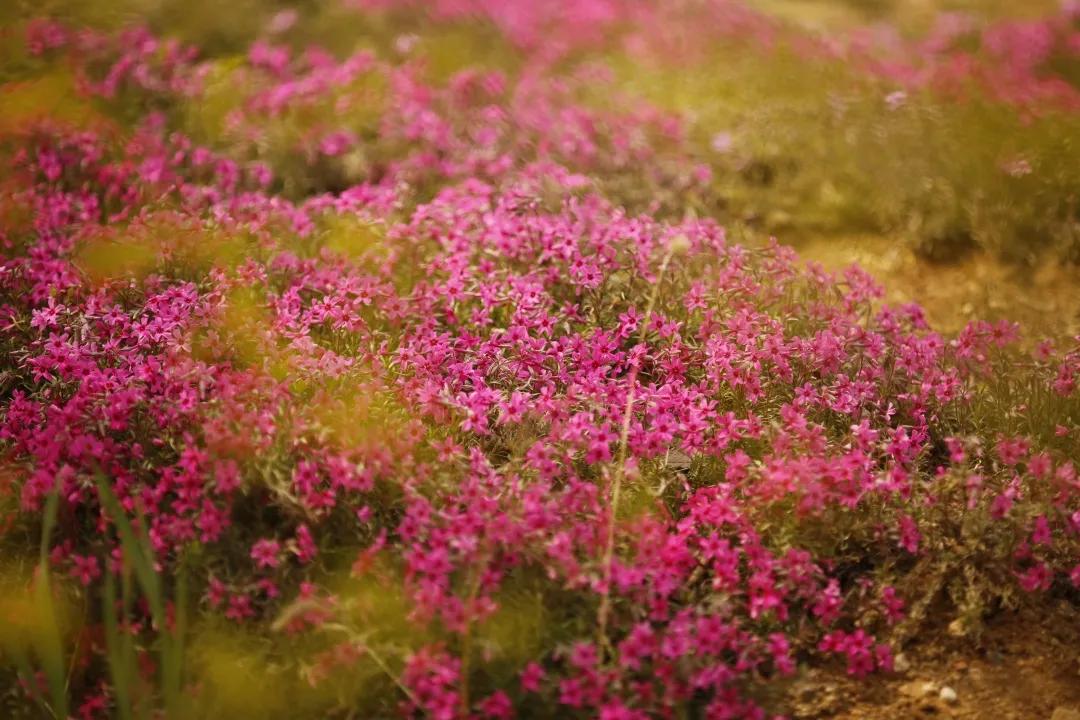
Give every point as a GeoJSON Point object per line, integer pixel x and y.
{"type": "Point", "coordinates": [1043, 297]}
{"type": "Point", "coordinates": [1026, 666]}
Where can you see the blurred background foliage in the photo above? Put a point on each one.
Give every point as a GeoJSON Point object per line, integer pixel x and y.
{"type": "Point", "coordinates": [826, 157]}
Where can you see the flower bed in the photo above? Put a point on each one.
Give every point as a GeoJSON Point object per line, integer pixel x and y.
{"type": "Point", "coordinates": [431, 398]}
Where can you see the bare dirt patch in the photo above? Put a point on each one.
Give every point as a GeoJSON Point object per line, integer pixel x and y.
{"type": "Point", "coordinates": [1026, 666]}
{"type": "Point", "coordinates": [1044, 297]}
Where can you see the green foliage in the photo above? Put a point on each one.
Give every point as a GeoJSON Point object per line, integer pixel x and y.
{"type": "Point", "coordinates": [139, 560]}
{"type": "Point", "coordinates": [33, 639]}
{"type": "Point", "coordinates": [818, 148]}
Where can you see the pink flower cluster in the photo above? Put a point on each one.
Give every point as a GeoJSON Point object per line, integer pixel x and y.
{"type": "Point", "coordinates": [1015, 62]}
{"type": "Point", "coordinates": [698, 454]}
{"type": "Point", "coordinates": [1019, 62]}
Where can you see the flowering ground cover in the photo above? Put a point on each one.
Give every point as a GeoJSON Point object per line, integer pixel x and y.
{"type": "Point", "coordinates": [378, 360]}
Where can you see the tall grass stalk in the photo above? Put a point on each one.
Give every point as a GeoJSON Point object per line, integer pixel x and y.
{"type": "Point", "coordinates": [139, 561]}
{"type": "Point", "coordinates": [604, 610]}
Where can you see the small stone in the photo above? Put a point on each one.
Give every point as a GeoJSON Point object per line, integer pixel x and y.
{"type": "Point", "coordinates": [1065, 713]}
{"type": "Point", "coordinates": [911, 689]}
{"type": "Point", "coordinates": [901, 664]}
{"type": "Point", "coordinates": [919, 689]}
{"type": "Point", "coordinates": [678, 460]}
{"type": "Point", "coordinates": [947, 694]}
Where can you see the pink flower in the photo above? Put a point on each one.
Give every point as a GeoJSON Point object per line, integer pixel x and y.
{"type": "Point", "coordinates": [305, 547]}
{"type": "Point", "coordinates": [266, 553]}
{"type": "Point", "coordinates": [638, 645]}
{"type": "Point", "coordinates": [893, 603]}
{"type": "Point", "coordinates": [216, 592]}
{"type": "Point", "coordinates": [531, 677]}
{"type": "Point", "coordinates": [829, 602]}
{"type": "Point", "coordinates": [1003, 503]}
{"type": "Point", "coordinates": [909, 534]}
{"type": "Point", "coordinates": [85, 568]}
{"type": "Point", "coordinates": [1041, 535]}
{"type": "Point", "coordinates": [496, 706]}
{"type": "Point", "coordinates": [780, 649]}
{"type": "Point", "coordinates": [1012, 451]}
{"type": "Point", "coordinates": [1035, 578]}
{"type": "Point", "coordinates": [337, 143]}
{"type": "Point", "coordinates": [239, 607]}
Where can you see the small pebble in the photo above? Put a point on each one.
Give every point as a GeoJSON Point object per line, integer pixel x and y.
{"type": "Point", "coordinates": [901, 664]}
{"type": "Point", "coordinates": [926, 689]}
{"type": "Point", "coordinates": [911, 689]}
{"type": "Point", "coordinates": [947, 694]}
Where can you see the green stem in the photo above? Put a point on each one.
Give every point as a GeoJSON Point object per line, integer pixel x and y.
{"type": "Point", "coordinates": [604, 611]}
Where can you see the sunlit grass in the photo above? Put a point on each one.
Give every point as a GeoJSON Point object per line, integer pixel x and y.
{"type": "Point", "coordinates": [806, 147]}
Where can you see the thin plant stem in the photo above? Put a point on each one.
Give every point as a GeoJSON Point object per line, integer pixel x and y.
{"type": "Point", "coordinates": [604, 611]}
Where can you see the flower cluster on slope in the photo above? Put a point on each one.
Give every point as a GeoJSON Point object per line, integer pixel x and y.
{"type": "Point", "coordinates": [466, 377]}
